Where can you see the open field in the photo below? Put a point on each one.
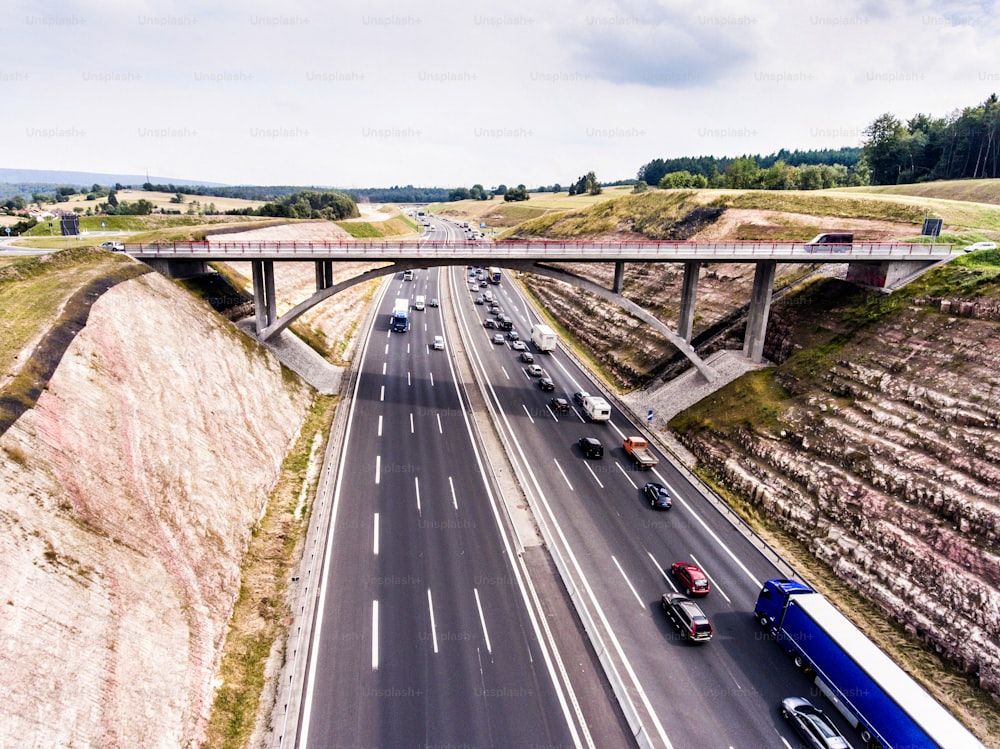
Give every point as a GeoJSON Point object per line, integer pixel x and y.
{"type": "Point", "coordinates": [162, 200]}
{"type": "Point", "coordinates": [970, 190]}
{"type": "Point", "coordinates": [498, 213]}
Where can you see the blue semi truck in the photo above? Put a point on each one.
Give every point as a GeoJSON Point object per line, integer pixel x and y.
{"type": "Point", "coordinates": [887, 707]}
{"type": "Point", "coordinates": [400, 321]}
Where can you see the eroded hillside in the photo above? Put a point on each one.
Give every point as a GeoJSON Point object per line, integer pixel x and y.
{"type": "Point", "coordinates": [127, 498]}
{"type": "Point", "coordinates": [875, 443]}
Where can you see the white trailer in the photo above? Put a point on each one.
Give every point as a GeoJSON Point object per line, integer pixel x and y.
{"type": "Point", "coordinates": [544, 338]}
{"type": "Point", "coordinates": [596, 408]}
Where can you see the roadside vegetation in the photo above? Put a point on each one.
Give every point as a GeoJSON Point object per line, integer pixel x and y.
{"type": "Point", "coordinates": [397, 226]}
{"type": "Point", "coordinates": [46, 300]}
{"type": "Point", "coordinates": [258, 626]}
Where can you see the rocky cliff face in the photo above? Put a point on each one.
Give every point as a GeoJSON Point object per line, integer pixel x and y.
{"type": "Point", "coordinates": [127, 497]}
{"type": "Point", "coordinates": [884, 459]}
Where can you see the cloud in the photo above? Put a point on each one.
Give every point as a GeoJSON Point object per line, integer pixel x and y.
{"type": "Point", "coordinates": [685, 45]}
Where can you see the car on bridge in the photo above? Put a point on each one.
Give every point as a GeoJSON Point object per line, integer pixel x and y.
{"type": "Point", "coordinates": [113, 246]}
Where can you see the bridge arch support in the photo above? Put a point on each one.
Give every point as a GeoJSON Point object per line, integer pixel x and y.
{"type": "Point", "coordinates": [270, 325]}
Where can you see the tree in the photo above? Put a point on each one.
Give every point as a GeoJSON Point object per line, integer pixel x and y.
{"type": "Point", "coordinates": [113, 199]}
{"type": "Point", "coordinates": [653, 172]}
{"type": "Point", "coordinates": [682, 179]}
{"type": "Point", "coordinates": [500, 190]}
{"type": "Point", "coordinates": [884, 149]}
{"type": "Point", "coordinates": [516, 193]}
{"type": "Point", "coordinates": [640, 186]}
{"type": "Point", "coordinates": [177, 198]}
{"type": "Point", "coordinates": [586, 184]}
{"type": "Point", "coordinates": [743, 174]}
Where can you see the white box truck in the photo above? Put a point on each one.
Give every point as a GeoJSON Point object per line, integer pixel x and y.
{"type": "Point", "coordinates": [544, 338]}
{"type": "Point", "coordinates": [596, 408]}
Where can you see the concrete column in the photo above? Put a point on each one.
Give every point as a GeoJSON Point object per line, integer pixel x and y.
{"type": "Point", "coordinates": [619, 277]}
{"type": "Point", "coordinates": [760, 308]}
{"type": "Point", "coordinates": [324, 274]}
{"type": "Point", "coordinates": [689, 291]}
{"type": "Point", "coordinates": [263, 293]}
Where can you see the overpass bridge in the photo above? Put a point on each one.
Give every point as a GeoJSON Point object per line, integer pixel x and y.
{"type": "Point", "coordinates": [879, 265]}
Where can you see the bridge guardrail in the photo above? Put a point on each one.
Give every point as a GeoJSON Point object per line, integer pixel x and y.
{"type": "Point", "coordinates": [650, 250]}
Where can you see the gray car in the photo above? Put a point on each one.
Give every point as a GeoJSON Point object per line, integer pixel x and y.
{"type": "Point", "coordinates": [812, 724]}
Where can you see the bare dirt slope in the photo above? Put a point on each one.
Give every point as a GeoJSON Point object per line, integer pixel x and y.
{"type": "Point", "coordinates": [127, 496]}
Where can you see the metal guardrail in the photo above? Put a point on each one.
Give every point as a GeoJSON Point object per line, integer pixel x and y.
{"type": "Point", "coordinates": [544, 250]}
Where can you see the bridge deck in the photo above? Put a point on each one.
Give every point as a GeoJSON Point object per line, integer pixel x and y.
{"type": "Point", "coordinates": [451, 252]}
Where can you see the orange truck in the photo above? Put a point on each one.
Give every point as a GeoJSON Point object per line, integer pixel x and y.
{"type": "Point", "coordinates": [640, 453]}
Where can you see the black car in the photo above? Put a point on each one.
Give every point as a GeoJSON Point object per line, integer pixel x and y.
{"type": "Point", "coordinates": [812, 724]}
{"type": "Point", "coordinates": [658, 496]}
{"type": "Point", "coordinates": [579, 397]}
{"type": "Point", "coordinates": [513, 335]}
{"type": "Point", "coordinates": [687, 616]}
{"type": "Point", "coordinates": [559, 405]}
{"type": "Point", "coordinates": [546, 384]}
{"type": "Point", "coordinates": [591, 447]}
{"type": "Point", "coordinates": [527, 357]}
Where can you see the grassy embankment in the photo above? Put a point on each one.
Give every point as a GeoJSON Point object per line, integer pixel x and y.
{"type": "Point", "coordinates": [758, 403]}
{"type": "Point", "coordinates": [260, 617]}
{"type": "Point", "coordinates": [46, 300]}
{"type": "Point", "coordinates": [397, 226]}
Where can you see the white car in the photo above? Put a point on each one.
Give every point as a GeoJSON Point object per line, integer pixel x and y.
{"type": "Point", "coordinates": [981, 246]}
{"type": "Point", "coordinates": [438, 344]}
{"type": "Point", "coordinates": [113, 246]}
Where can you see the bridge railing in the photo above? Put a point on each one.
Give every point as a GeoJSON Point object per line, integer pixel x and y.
{"type": "Point", "coordinates": [654, 250]}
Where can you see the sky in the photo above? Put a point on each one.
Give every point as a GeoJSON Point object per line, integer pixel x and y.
{"type": "Point", "coordinates": [450, 93]}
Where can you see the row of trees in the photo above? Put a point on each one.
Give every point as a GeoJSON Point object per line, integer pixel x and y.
{"type": "Point", "coordinates": [755, 173]}
{"type": "Point", "coordinates": [962, 145]}
{"type": "Point", "coordinates": [331, 205]}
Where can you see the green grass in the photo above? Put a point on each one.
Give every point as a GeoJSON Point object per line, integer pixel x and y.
{"type": "Point", "coordinates": [753, 402]}
{"type": "Point", "coordinates": [399, 226]}
{"type": "Point", "coordinates": [968, 190]}
{"type": "Point", "coordinates": [261, 612]}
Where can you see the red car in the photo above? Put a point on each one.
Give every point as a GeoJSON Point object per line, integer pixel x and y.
{"type": "Point", "coordinates": [691, 579]}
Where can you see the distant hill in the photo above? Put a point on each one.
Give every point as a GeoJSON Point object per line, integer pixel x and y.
{"type": "Point", "coordinates": [56, 177]}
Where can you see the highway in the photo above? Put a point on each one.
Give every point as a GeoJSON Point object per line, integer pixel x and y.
{"type": "Point", "coordinates": [724, 693]}
{"type": "Point", "coordinates": [424, 636]}
{"type": "Point", "coordinates": [427, 634]}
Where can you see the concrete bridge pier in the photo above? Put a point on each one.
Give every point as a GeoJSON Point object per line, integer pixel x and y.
{"type": "Point", "coordinates": [263, 293]}
{"type": "Point", "coordinates": [179, 268]}
{"type": "Point", "coordinates": [689, 292]}
{"type": "Point", "coordinates": [619, 281]}
{"type": "Point", "coordinates": [760, 308]}
{"type": "Point", "coordinates": [324, 274]}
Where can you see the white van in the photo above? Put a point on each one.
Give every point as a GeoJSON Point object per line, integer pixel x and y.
{"type": "Point", "coordinates": [419, 304]}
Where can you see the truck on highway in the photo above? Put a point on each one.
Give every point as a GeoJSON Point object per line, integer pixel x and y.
{"type": "Point", "coordinates": [887, 707]}
{"type": "Point", "coordinates": [642, 456]}
{"type": "Point", "coordinates": [493, 275]}
{"type": "Point", "coordinates": [400, 322]}
{"type": "Point", "coordinates": [596, 408]}
{"type": "Point", "coordinates": [544, 338]}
